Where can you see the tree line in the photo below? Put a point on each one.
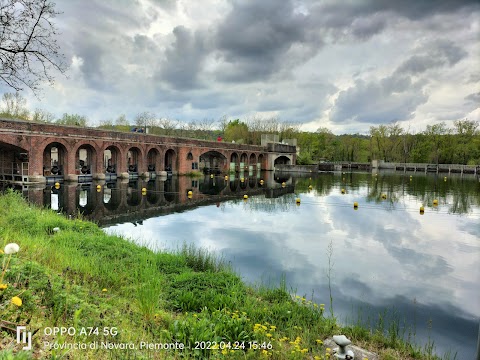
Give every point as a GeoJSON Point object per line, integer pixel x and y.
{"type": "Point", "coordinates": [438, 143]}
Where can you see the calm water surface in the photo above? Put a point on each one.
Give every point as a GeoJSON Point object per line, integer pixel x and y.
{"type": "Point", "coordinates": [386, 258]}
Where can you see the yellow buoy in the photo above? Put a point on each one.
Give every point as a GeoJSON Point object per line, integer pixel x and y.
{"type": "Point", "coordinates": [283, 184]}
{"type": "Point", "coordinates": [211, 176]}
{"type": "Point", "coordinates": [57, 185]}
{"type": "Point", "coordinates": [384, 196]}
{"type": "Point", "coordinates": [190, 193]}
{"type": "Point", "coordinates": [226, 177]}
{"type": "Point", "coordinates": [245, 197]}
{"type": "Point", "coordinates": [99, 187]}
{"type": "Point", "coordinates": [422, 210]}
{"type": "Point", "coordinates": [343, 191]}
{"type": "Point", "coordinates": [310, 187]}
{"type": "Point", "coordinates": [445, 178]}
{"type": "Point", "coordinates": [261, 182]}
{"type": "Point", "coordinates": [242, 179]}
{"type": "Point", "coordinates": [355, 205]}
{"type": "Point", "coordinates": [297, 200]}
{"type": "Point", "coordinates": [435, 202]}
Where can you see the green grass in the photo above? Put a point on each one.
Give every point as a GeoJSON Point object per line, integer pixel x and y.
{"type": "Point", "coordinates": [81, 277]}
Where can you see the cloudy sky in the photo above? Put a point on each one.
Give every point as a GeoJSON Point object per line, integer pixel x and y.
{"type": "Point", "coordinates": [343, 65]}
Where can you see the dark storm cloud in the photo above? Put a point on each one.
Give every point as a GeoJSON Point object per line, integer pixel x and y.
{"type": "Point", "coordinates": [91, 68]}
{"type": "Point", "coordinates": [378, 102]}
{"type": "Point", "coordinates": [184, 59]}
{"type": "Point", "coordinates": [256, 36]}
{"type": "Point", "coordinates": [339, 14]}
{"type": "Point", "coordinates": [434, 55]}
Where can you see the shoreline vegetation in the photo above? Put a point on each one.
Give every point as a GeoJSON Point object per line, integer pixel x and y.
{"type": "Point", "coordinates": [114, 299]}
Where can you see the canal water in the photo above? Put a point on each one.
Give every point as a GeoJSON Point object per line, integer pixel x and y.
{"type": "Point", "coordinates": [387, 262]}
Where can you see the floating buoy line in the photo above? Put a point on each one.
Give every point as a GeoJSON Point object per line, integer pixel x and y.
{"type": "Point", "coordinates": [431, 208]}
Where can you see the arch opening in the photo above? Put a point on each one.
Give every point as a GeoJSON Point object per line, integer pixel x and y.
{"type": "Point", "coordinates": [153, 157]}
{"type": "Point", "coordinates": [260, 162]}
{"type": "Point", "coordinates": [13, 162]}
{"type": "Point", "coordinates": [85, 160]}
{"type": "Point", "coordinates": [213, 162]}
{"type": "Point", "coordinates": [234, 159]}
{"type": "Point", "coordinates": [133, 160]}
{"type": "Point", "coordinates": [282, 160]}
{"type": "Point", "coordinates": [170, 160]}
{"type": "Point", "coordinates": [54, 161]}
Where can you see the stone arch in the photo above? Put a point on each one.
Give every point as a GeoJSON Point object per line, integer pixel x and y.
{"type": "Point", "coordinates": [85, 159]}
{"type": "Point", "coordinates": [282, 160]}
{"type": "Point", "coordinates": [253, 159]}
{"type": "Point", "coordinates": [153, 160]}
{"type": "Point", "coordinates": [213, 162]}
{"type": "Point", "coordinates": [243, 162]}
{"type": "Point", "coordinates": [243, 158]}
{"type": "Point", "coordinates": [134, 160]}
{"type": "Point", "coordinates": [13, 161]}
{"type": "Point", "coordinates": [55, 159]}
{"type": "Point", "coordinates": [170, 160]}
{"type": "Point", "coordinates": [234, 161]}
{"type": "Point", "coordinates": [252, 162]}
{"type": "Point", "coordinates": [260, 165]}
{"type": "Point", "coordinates": [111, 159]}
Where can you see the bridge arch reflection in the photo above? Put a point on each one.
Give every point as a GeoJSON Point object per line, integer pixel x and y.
{"type": "Point", "coordinates": [124, 201]}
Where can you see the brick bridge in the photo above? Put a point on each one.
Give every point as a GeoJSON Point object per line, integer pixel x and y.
{"type": "Point", "coordinates": [35, 152]}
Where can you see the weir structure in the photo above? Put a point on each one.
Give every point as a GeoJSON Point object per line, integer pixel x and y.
{"type": "Point", "coordinates": [43, 153]}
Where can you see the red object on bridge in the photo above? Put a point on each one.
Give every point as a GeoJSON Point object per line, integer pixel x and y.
{"type": "Point", "coordinates": [219, 139]}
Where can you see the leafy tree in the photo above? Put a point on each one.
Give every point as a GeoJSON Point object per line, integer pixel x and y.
{"type": "Point", "coordinates": [467, 145]}
{"type": "Point", "coordinates": [167, 126]}
{"type": "Point", "coordinates": [28, 49]}
{"type": "Point", "coordinates": [73, 120]}
{"type": "Point", "coordinates": [106, 124]}
{"type": "Point", "coordinates": [122, 121]}
{"type": "Point", "coordinates": [236, 131]}
{"type": "Point", "coordinates": [14, 106]}
{"type": "Point", "coordinates": [436, 138]}
{"type": "Point", "coordinates": [145, 119]}
{"type": "Point", "coordinates": [44, 116]}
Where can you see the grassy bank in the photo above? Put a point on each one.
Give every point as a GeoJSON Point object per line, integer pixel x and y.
{"type": "Point", "coordinates": [123, 301]}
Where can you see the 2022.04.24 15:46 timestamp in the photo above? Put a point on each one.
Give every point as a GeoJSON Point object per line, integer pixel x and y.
{"type": "Point", "coordinates": [233, 345]}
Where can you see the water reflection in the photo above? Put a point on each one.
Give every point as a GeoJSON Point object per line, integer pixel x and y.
{"type": "Point", "coordinates": [421, 269]}
{"type": "Point", "coordinates": [114, 202]}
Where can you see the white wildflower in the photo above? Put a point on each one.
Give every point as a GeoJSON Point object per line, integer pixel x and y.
{"type": "Point", "coordinates": [11, 248]}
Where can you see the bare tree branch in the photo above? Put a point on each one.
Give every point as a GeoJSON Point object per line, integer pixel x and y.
{"type": "Point", "coordinates": [29, 52]}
